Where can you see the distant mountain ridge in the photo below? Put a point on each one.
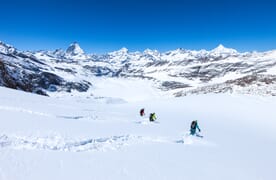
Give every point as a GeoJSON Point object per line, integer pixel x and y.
{"type": "Point", "coordinates": [178, 72]}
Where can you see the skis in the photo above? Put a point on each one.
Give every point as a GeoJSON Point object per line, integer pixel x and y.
{"type": "Point", "coordinates": [198, 135]}
{"type": "Point", "coordinates": [189, 138]}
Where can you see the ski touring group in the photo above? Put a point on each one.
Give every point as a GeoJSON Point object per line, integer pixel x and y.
{"type": "Point", "coordinates": [194, 128]}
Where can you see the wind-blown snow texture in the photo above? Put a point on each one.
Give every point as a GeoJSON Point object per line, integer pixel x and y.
{"type": "Point", "coordinates": [105, 138]}
{"type": "Point", "coordinates": [176, 73]}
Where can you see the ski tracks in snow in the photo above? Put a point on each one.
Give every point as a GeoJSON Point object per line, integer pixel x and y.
{"type": "Point", "coordinates": [23, 110]}
{"type": "Point", "coordinates": [31, 112]}
{"type": "Point", "coordinates": [58, 143]}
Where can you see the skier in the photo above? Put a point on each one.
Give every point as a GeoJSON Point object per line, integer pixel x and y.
{"type": "Point", "coordinates": [194, 126]}
{"type": "Point", "coordinates": [152, 117]}
{"type": "Point", "coordinates": [142, 112]}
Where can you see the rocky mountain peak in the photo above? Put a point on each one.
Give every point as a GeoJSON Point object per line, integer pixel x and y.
{"type": "Point", "coordinates": [74, 49]}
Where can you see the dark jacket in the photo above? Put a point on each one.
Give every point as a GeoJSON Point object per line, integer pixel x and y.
{"type": "Point", "coordinates": [194, 126]}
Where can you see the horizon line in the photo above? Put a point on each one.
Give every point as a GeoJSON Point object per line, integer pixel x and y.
{"type": "Point", "coordinates": [133, 51]}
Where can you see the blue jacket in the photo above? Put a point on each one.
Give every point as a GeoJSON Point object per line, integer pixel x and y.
{"type": "Point", "coordinates": [193, 130]}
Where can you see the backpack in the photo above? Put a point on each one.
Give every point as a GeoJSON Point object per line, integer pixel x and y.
{"type": "Point", "coordinates": [151, 116]}
{"type": "Point", "coordinates": [193, 125]}
{"type": "Point", "coordinates": [142, 112]}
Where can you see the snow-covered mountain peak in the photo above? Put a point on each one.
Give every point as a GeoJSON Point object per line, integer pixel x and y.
{"type": "Point", "coordinates": [124, 50]}
{"type": "Point", "coordinates": [223, 50]}
{"type": "Point", "coordinates": [74, 49]}
{"type": "Point", "coordinates": [59, 52]}
{"type": "Point", "coordinates": [5, 48]}
{"type": "Point", "coordinates": [151, 52]}
{"type": "Point", "coordinates": [179, 50]}
{"type": "Point", "coordinates": [118, 56]}
{"type": "Point", "coordinates": [119, 53]}
{"type": "Point", "coordinates": [176, 52]}
{"type": "Point", "coordinates": [202, 52]}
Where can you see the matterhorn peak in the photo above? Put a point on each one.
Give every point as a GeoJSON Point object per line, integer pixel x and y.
{"type": "Point", "coordinates": [74, 49]}
{"type": "Point", "coordinates": [223, 50]}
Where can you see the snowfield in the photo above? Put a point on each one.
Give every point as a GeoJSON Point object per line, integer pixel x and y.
{"type": "Point", "coordinates": [103, 137]}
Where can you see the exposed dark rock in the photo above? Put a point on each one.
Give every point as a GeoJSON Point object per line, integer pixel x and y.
{"type": "Point", "coordinates": [170, 85]}
{"type": "Point", "coordinates": [261, 81]}
{"type": "Point", "coordinates": [45, 79]}
{"type": "Point", "coordinates": [66, 70]}
{"type": "Point", "coordinates": [253, 79]}
{"type": "Point", "coordinates": [99, 71]}
{"type": "Point", "coordinates": [81, 87]}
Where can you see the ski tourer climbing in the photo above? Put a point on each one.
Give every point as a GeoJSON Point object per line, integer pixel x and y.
{"type": "Point", "coordinates": [152, 117]}
{"type": "Point", "coordinates": [194, 126]}
{"type": "Point", "coordinates": [142, 112]}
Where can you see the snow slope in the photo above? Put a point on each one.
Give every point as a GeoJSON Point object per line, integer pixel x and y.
{"type": "Point", "coordinates": [104, 138]}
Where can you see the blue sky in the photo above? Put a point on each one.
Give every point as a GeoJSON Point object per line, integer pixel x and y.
{"type": "Point", "coordinates": [104, 25]}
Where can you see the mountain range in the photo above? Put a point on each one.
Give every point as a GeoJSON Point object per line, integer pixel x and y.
{"type": "Point", "coordinates": [178, 72]}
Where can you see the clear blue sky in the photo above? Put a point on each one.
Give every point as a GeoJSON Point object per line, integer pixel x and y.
{"type": "Point", "coordinates": [104, 25]}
